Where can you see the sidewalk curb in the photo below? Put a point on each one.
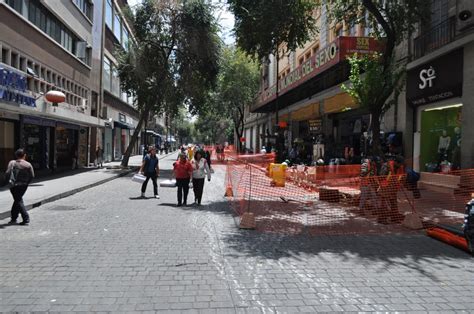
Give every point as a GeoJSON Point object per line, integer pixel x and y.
{"type": "Point", "coordinates": [5, 215]}
{"type": "Point", "coordinates": [59, 196]}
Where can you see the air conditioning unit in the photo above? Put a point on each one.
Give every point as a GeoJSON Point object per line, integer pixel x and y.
{"type": "Point", "coordinates": [465, 14]}
{"type": "Point", "coordinates": [84, 104]}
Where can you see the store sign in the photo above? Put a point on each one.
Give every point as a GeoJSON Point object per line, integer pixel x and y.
{"type": "Point", "coordinates": [437, 80]}
{"type": "Point", "coordinates": [315, 126]}
{"type": "Point", "coordinates": [325, 58]}
{"type": "Point", "coordinates": [122, 117]}
{"type": "Point", "coordinates": [13, 88]}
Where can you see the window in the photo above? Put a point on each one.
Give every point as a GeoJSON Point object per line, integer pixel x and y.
{"type": "Point", "coordinates": [106, 74]}
{"type": "Point", "coordinates": [16, 5]}
{"type": "Point", "coordinates": [117, 27]}
{"type": "Point", "coordinates": [49, 24]}
{"type": "Point", "coordinates": [300, 60]}
{"type": "Point", "coordinates": [85, 6]}
{"type": "Point", "coordinates": [367, 24]}
{"type": "Point", "coordinates": [109, 13]}
{"type": "Point", "coordinates": [125, 37]}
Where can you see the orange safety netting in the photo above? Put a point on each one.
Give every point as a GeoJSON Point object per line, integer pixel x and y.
{"type": "Point", "coordinates": [336, 200]}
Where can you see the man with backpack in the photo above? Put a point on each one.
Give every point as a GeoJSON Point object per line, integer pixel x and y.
{"type": "Point", "coordinates": [150, 168]}
{"type": "Point", "coordinates": [19, 173]}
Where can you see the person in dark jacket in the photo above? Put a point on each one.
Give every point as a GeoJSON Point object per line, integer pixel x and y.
{"type": "Point", "coordinates": [20, 173]}
{"type": "Point", "coordinates": [151, 169]}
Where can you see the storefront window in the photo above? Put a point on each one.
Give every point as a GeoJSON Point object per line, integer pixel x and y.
{"type": "Point", "coordinates": [440, 143]}
{"type": "Point", "coordinates": [33, 144]}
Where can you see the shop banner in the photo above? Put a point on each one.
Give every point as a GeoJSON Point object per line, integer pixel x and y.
{"type": "Point", "coordinates": [325, 58]}
{"type": "Point", "coordinates": [314, 126]}
{"type": "Point", "coordinates": [439, 79]}
{"type": "Point", "coordinates": [38, 121]}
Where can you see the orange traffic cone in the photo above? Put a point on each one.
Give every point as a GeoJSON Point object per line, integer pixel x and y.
{"type": "Point", "coordinates": [228, 191]}
{"type": "Point", "coordinates": [248, 221]}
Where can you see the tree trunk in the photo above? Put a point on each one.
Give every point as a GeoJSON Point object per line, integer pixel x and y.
{"type": "Point", "coordinates": [376, 148]}
{"type": "Point", "coordinates": [134, 138]}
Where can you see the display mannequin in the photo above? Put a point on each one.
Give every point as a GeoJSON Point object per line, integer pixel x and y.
{"type": "Point", "coordinates": [457, 149]}
{"type": "Point", "coordinates": [444, 142]}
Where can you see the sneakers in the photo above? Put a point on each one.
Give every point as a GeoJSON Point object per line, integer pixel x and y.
{"type": "Point", "coordinates": [24, 223]}
{"type": "Point", "coordinates": [157, 196]}
{"type": "Point", "coordinates": [12, 222]}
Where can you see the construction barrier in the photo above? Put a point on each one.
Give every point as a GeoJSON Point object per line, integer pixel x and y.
{"type": "Point", "coordinates": [336, 200]}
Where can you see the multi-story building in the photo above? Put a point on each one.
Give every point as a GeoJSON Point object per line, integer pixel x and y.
{"type": "Point", "coordinates": [47, 45]}
{"type": "Point", "coordinates": [117, 107]}
{"type": "Point", "coordinates": [317, 116]}
{"type": "Point", "coordinates": [68, 46]}
{"type": "Point", "coordinates": [440, 88]}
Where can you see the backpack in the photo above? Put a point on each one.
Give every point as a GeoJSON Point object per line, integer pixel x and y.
{"type": "Point", "coordinates": [13, 176]}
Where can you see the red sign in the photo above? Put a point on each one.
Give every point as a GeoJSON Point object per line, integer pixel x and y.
{"type": "Point", "coordinates": [242, 139]}
{"type": "Point", "coordinates": [324, 59]}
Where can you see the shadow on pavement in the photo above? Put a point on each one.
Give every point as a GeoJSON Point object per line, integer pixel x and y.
{"type": "Point", "coordinates": [409, 249]}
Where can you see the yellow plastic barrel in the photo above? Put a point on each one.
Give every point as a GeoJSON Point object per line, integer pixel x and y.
{"type": "Point", "coordinates": [278, 174]}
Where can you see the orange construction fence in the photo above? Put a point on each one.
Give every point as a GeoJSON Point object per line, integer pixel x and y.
{"type": "Point", "coordinates": [336, 200]}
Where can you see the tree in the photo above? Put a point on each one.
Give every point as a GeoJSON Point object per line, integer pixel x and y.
{"type": "Point", "coordinates": [262, 25]}
{"type": "Point", "coordinates": [237, 86]}
{"type": "Point", "coordinates": [172, 60]}
{"type": "Point", "coordinates": [377, 80]}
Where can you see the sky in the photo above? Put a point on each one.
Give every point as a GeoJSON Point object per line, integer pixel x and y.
{"type": "Point", "coordinates": [224, 17]}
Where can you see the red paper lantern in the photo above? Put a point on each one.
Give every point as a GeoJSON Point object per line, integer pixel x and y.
{"type": "Point", "coordinates": [282, 124]}
{"type": "Point", "coordinates": [55, 96]}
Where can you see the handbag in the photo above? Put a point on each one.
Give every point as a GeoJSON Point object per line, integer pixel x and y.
{"type": "Point", "coordinates": [171, 183]}
{"type": "Point", "coordinates": [139, 178]}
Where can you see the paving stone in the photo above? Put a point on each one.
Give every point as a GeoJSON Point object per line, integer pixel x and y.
{"type": "Point", "coordinates": [122, 254]}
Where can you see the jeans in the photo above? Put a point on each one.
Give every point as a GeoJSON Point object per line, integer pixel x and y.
{"type": "Point", "coordinates": [183, 186]}
{"type": "Point", "coordinates": [153, 177]}
{"type": "Point", "coordinates": [18, 206]}
{"type": "Point", "coordinates": [198, 186]}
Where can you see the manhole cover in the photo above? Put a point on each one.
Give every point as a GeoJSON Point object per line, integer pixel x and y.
{"type": "Point", "coordinates": [64, 207]}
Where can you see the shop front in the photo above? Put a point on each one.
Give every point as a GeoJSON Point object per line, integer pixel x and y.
{"type": "Point", "coordinates": [38, 139]}
{"type": "Point", "coordinates": [435, 90]}
{"type": "Point", "coordinates": [67, 146]}
{"type": "Point", "coordinates": [8, 139]}
{"type": "Point", "coordinates": [322, 129]}
{"type": "Point", "coordinates": [123, 129]}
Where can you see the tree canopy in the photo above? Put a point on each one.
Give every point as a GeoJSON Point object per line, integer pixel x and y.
{"type": "Point", "coordinates": [262, 25]}
{"type": "Point", "coordinates": [237, 87]}
{"type": "Point", "coordinates": [377, 80]}
{"type": "Point", "coordinates": [173, 59]}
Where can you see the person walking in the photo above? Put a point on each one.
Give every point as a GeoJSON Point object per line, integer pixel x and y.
{"type": "Point", "coordinates": [99, 154]}
{"type": "Point", "coordinates": [200, 170]}
{"type": "Point", "coordinates": [183, 172]}
{"type": "Point", "coordinates": [20, 173]}
{"type": "Point", "coordinates": [150, 168]}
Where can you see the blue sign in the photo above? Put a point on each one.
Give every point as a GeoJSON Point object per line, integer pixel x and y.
{"type": "Point", "coordinates": [13, 87]}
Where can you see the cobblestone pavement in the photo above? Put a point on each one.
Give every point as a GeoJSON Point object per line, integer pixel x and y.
{"type": "Point", "coordinates": [105, 249]}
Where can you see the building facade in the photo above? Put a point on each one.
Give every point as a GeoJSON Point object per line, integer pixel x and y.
{"type": "Point", "coordinates": [46, 45]}
{"type": "Point", "coordinates": [67, 46]}
{"type": "Point", "coordinates": [320, 121]}
{"type": "Point", "coordinates": [440, 88]}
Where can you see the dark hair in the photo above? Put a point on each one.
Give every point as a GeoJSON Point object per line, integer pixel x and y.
{"type": "Point", "coordinates": [20, 153]}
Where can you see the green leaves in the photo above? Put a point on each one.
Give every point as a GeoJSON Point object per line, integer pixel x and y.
{"type": "Point", "coordinates": [262, 25]}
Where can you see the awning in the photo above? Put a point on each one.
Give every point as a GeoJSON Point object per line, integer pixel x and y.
{"type": "Point", "coordinates": [153, 133]}
{"type": "Point", "coordinates": [122, 125]}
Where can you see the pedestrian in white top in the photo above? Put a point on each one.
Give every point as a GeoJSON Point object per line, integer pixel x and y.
{"type": "Point", "coordinates": [200, 170]}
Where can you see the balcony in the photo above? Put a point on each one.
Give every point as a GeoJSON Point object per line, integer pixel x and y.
{"type": "Point", "coordinates": [435, 38]}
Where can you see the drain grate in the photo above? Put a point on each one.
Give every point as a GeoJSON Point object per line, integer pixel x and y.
{"type": "Point", "coordinates": [65, 207]}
